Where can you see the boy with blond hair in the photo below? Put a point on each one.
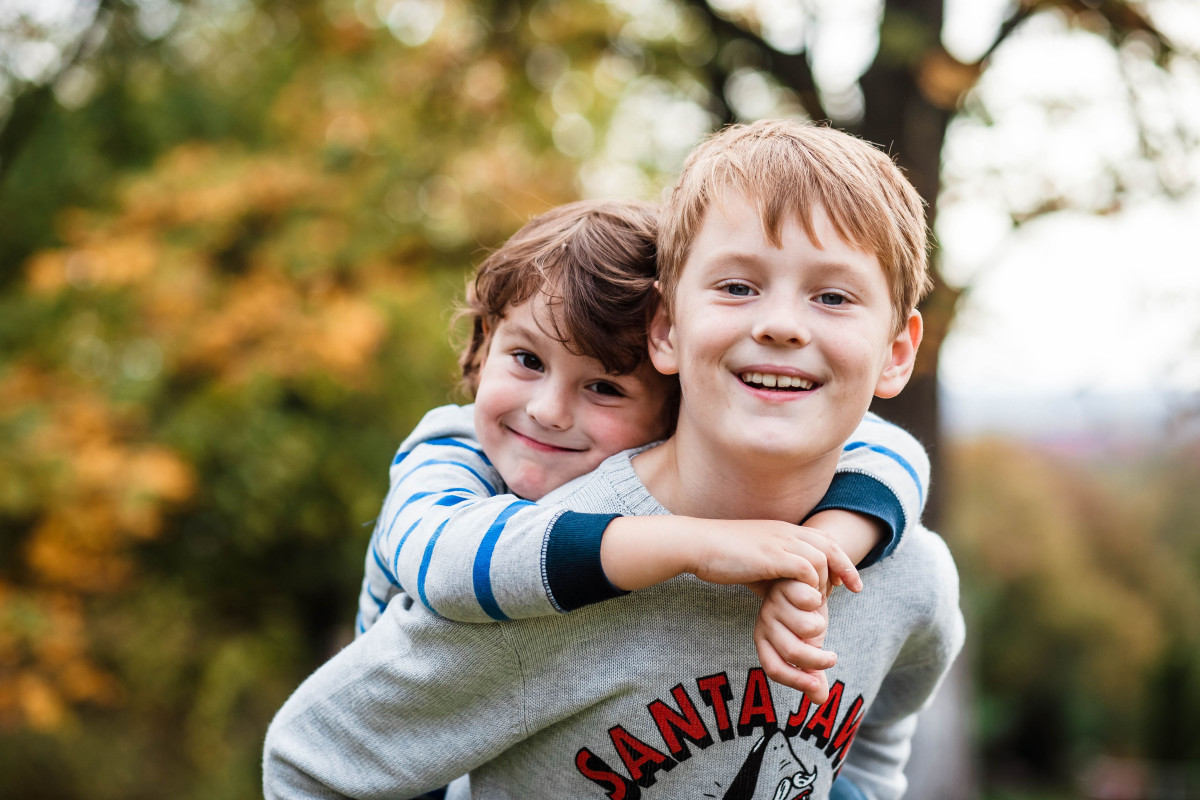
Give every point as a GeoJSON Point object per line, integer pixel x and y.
{"type": "Point", "coordinates": [791, 261]}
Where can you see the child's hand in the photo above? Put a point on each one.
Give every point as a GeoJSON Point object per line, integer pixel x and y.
{"type": "Point", "coordinates": [789, 634]}
{"type": "Point", "coordinates": [746, 551]}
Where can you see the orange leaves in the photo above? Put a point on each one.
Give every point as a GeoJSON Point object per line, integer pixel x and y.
{"type": "Point", "coordinates": [99, 488]}
{"type": "Point", "coordinates": [274, 326]}
{"type": "Point", "coordinates": [44, 663]}
{"type": "Point", "coordinates": [204, 184]}
{"type": "Point", "coordinates": [92, 488]}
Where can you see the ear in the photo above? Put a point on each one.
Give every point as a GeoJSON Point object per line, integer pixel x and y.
{"type": "Point", "coordinates": [661, 338]}
{"type": "Point", "coordinates": [901, 357]}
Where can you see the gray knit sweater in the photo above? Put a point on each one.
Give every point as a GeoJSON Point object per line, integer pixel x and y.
{"type": "Point", "coordinates": [657, 694]}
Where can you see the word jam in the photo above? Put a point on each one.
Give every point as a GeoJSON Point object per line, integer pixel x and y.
{"type": "Point", "coordinates": [682, 726]}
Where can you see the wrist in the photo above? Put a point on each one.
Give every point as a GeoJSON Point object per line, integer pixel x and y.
{"type": "Point", "coordinates": [857, 534]}
{"type": "Point", "coordinates": [636, 552]}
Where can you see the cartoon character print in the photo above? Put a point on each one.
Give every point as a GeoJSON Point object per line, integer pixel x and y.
{"type": "Point", "coordinates": [772, 771]}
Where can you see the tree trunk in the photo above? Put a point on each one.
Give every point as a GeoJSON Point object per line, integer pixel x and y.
{"type": "Point", "coordinates": [902, 118]}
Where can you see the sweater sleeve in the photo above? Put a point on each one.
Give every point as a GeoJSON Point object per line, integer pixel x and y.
{"type": "Point", "coordinates": [451, 537]}
{"type": "Point", "coordinates": [883, 472]}
{"type": "Point", "coordinates": [874, 766]}
{"type": "Point", "coordinates": [407, 707]}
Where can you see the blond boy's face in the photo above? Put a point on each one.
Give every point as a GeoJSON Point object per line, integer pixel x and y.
{"type": "Point", "coordinates": [779, 350]}
{"type": "Point", "coordinates": [545, 416]}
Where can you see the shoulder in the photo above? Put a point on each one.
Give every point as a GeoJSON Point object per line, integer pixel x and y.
{"type": "Point", "coordinates": [448, 421]}
{"type": "Point", "coordinates": [921, 575]}
{"type": "Point", "coordinates": [449, 426]}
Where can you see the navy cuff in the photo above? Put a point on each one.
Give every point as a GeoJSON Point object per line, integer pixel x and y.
{"type": "Point", "coordinates": [845, 789]}
{"type": "Point", "coordinates": [574, 573]}
{"type": "Point", "coordinates": [853, 491]}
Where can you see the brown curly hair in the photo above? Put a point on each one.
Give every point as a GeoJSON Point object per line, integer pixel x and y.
{"type": "Point", "coordinates": [594, 260]}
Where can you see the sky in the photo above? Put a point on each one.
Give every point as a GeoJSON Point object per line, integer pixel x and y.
{"type": "Point", "coordinates": [1072, 303]}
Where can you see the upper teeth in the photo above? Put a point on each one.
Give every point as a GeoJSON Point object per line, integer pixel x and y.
{"type": "Point", "coordinates": [781, 381]}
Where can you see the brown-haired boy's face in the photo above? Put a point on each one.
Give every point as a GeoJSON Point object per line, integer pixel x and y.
{"type": "Point", "coordinates": [545, 416]}
{"type": "Point", "coordinates": [779, 350]}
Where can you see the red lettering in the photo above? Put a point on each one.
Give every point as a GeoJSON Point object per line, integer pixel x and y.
{"type": "Point", "coordinates": [845, 735]}
{"type": "Point", "coordinates": [821, 724]}
{"type": "Point", "coordinates": [686, 721]}
{"type": "Point", "coordinates": [617, 786]}
{"type": "Point", "coordinates": [717, 695]}
{"type": "Point", "coordinates": [796, 719]}
{"type": "Point", "coordinates": [640, 759]}
{"type": "Point", "coordinates": [758, 709]}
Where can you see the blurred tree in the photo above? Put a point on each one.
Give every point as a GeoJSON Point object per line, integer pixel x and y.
{"type": "Point", "coordinates": [1082, 581]}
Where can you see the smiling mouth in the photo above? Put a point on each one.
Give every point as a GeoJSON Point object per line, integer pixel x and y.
{"type": "Point", "coordinates": [543, 446]}
{"type": "Point", "coordinates": [774, 382]}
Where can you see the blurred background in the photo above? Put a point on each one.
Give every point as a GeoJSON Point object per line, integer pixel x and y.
{"type": "Point", "coordinates": [232, 232]}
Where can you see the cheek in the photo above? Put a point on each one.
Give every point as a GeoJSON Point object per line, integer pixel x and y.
{"type": "Point", "coordinates": [614, 430]}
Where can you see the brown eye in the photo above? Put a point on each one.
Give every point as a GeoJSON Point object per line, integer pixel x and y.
{"type": "Point", "coordinates": [605, 388]}
{"type": "Point", "coordinates": [529, 361]}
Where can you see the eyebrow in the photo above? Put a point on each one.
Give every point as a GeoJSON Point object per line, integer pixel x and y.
{"type": "Point", "coordinates": [722, 258]}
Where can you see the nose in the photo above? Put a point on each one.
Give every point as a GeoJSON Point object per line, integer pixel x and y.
{"type": "Point", "coordinates": [550, 406]}
{"type": "Point", "coordinates": [782, 323]}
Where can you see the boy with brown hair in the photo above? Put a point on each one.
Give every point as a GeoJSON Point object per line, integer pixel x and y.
{"type": "Point", "coordinates": [788, 303]}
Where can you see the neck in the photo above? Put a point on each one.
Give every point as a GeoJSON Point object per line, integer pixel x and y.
{"type": "Point", "coordinates": [721, 485]}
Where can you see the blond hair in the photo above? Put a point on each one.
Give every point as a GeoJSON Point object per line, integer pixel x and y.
{"type": "Point", "coordinates": [793, 167]}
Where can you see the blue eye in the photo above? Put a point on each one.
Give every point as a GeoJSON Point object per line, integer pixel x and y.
{"type": "Point", "coordinates": [832, 299]}
{"type": "Point", "coordinates": [529, 361]}
{"type": "Point", "coordinates": [738, 289]}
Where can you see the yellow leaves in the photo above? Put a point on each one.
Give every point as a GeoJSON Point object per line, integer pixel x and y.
{"type": "Point", "coordinates": [117, 260]}
{"type": "Point", "coordinates": [206, 184]}
{"type": "Point", "coordinates": [346, 335]}
{"type": "Point", "coordinates": [274, 326]}
{"type": "Point", "coordinates": [45, 667]}
{"type": "Point", "coordinates": [88, 559]}
{"type": "Point", "coordinates": [99, 490]}
{"type": "Point", "coordinates": [37, 701]}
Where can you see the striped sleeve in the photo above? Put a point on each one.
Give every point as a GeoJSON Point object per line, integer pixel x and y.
{"type": "Point", "coordinates": [883, 472]}
{"type": "Point", "coordinates": [450, 537]}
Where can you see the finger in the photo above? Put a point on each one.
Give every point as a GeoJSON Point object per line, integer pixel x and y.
{"type": "Point", "coordinates": [807, 626]}
{"type": "Point", "coordinates": [799, 652]}
{"type": "Point", "coordinates": [812, 685]}
{"type": "Point", "coordinates": [848, 578]}
{"type": "Point", "coordinates": [842, 569]}
{"type": "Point", "coordinates": [800, 596]}
{"type": "Point", "coordinates": [820, 693]}
{"type": "Point", "coordinates": [797, 595]}
{"type": "Point", "coordinates": [798, 565]}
